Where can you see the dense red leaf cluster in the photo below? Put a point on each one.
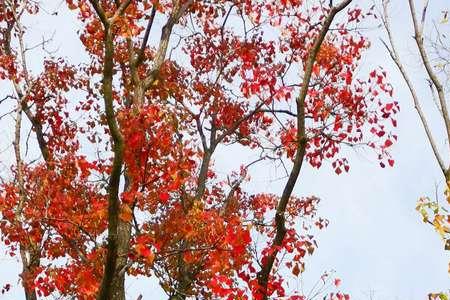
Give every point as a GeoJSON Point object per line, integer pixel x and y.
{"type": "Point", "coordinates": [233, 77]}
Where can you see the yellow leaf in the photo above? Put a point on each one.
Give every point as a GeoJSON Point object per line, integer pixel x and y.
{"type": "Point", "coordinates": [444, 17]}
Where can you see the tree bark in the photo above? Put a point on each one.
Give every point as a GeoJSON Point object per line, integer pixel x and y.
{"type": "Point", "coordinates": [112, 286]}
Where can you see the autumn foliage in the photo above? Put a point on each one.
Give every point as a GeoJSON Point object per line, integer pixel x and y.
{"type": "Point", "coordinates": [126, 184]}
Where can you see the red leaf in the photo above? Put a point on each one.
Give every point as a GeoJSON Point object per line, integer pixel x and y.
{"type": "Point", "coordinates": [381, 133]}
{"type": "Point", "coordinates": [387, 143]}
{"type": "Point", "coordinates": [337, 123]}
{"type": "Point", "coordinates": [348, 77]}
{"type": "Point", "coordinates": [337, 282]}
{"type": "Point", "coordinates": [164, 197]}
{"type": "Point", "coordinates": [296, 270]}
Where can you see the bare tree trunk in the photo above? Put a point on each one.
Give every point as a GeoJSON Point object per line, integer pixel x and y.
{"type": "Point", "coordinates": [30, 257]}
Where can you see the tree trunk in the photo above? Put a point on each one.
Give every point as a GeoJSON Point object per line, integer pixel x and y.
{"type": "Point", "coordinates": [123, 239]}
{"type": "Point", "coordinates": [29, 266]}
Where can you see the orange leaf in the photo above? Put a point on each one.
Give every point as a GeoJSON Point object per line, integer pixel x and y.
{"type": "Point", "coordinates": [126, 214]}
{"type": "Point", "coordinates": [296, 270]}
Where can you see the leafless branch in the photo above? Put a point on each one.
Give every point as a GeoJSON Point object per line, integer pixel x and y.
{"type": "Point", "coordinates": [392, 50]}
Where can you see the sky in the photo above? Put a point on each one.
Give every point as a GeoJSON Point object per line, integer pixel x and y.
{"type": "Point", "coordinates": [376, 241]}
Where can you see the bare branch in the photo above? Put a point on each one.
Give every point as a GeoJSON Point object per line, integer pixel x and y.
{"type": "Point", "coordinates": [146, 36]}
{"type": "Point", "coordinates": [418, 31]}
{"type": "Point", "coordinates": [417, 105]}
{"type": "Point", "coordinates": [281, 111]}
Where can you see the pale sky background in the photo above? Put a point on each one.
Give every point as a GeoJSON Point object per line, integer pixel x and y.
{"type": "Point", "coordinates": [376, 240]}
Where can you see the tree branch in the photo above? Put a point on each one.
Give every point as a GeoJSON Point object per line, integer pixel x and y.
{"type": "Point", "coordinates": [417, 105]}
{"type": "Point", "coordinates": [166, 32]}
{"type": "Point", "coordinates": [418, 37]}
{"type": "Point", "coordinates": [140, 56]}
{"type": "Point", "coordinates": [105, 291]}
{"type": "Point", "coordinates": [100, 12]}
{"type": "Point", "coordinates": [268, 262]}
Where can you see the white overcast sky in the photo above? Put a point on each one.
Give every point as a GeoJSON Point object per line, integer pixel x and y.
{"type": "Point", "coordinates": [376, 240]}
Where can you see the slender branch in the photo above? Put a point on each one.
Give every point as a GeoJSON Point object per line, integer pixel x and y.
{"type": "Point", "coordinates": [29, 291]}
{"type": "Point", "coordinates": [435, 98]}
{"type": "Point", "coordinates": [222, 28]}
{"type": "Point", "coordinates": [417, 105]}
{"type": "Point", "coordinates": [42, 143]}
{"type": "Point", "coordinates": [281, 111]}
{"type": "Point", "coordinates": [200, 132]}
{"type": "Point", "coordinates": [235, 186]}
{"type": "Point", "coordinates": [424, 14]}
{"type": "Point", "coordinates": [19, 163]}
{"type": "Point", "coordinates": [100, 12]}
{"type": "Point", "coordinates": [267, 264]}
{"type": "Point", "coordinates": [140, 56]}
{"type": "Point", "coordinates": [418, 31]}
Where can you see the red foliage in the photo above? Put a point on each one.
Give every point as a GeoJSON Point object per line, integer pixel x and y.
{"type": "Point", "coordinates": [222, 85]}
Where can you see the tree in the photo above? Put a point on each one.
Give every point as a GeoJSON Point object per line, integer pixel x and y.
{"type": "Point", "coordinates": [432, 52]}
{"type": "Point", "coordinates": [154, 111]}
